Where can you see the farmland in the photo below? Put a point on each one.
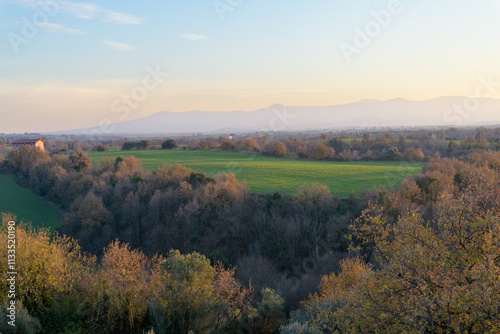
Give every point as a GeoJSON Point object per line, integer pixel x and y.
{"type": "Point", "coordinates": [265, 174]}
{"type": "Point", "coordinates": [27, 206]}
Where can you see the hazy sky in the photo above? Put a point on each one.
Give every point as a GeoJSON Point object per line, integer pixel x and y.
{"type": "Point", "coordinates": [66, 64]}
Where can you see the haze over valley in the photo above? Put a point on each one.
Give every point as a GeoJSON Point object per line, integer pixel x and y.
{"type": "Point", "coordinates": [445, 112]}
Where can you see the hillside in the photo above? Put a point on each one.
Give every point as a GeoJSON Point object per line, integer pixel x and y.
{"type": "Point", "coordinates": [445, 111]}
{"type": "Point", "coordinates": [27, 206]}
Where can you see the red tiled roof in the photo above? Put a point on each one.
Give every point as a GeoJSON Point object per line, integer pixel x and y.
{"type": "Point", "coordinates": [26, 141]}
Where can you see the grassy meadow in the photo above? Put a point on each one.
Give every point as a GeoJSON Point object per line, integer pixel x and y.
{"type": "Point", "coordinates": [27, 206]}
{"type": "Point", "coordinates": [265, 174]}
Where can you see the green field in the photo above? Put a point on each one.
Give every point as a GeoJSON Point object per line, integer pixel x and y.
{"type": "Point", "coordinates": [27, 206]}
{"type": "Point", "coordinates": [265, 174]}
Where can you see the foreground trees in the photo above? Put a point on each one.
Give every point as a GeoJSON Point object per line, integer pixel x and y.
{"type": "Point", "coordinates": [438, 276]}
{"type": "Point", "coordinates": [48, 283]}
{"type": "Point", "coordinates": [191, 295]}
{"type": "Point", "coordinates": [60, 289]}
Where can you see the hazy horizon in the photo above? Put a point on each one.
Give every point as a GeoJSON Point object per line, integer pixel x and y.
{"type": "Point", "coordinates": [67, 64]}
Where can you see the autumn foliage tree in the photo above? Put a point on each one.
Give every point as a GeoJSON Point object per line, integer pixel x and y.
{"type": "Point", "coordinates": [118, 293]}
{"type": "Point", "coordinates": [50, 271]}
{"type": "Point", "coordinates": [194, 296]}
{"type": "Point", "coordinates": [26, 157]}
{"type": "Point", "coordinates": [60, 289]}
{"type": "Point", "coordinates": [441, 276]}
{"type": "Point", "coordinates": [277, 149]}
{"type": "Point", "coordinates": [80, 161]}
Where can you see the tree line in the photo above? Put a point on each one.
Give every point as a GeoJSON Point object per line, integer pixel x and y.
{"type": "Point", "coordinates": [382, 147]}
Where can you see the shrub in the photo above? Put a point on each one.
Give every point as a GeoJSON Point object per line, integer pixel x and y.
{"type": "Point", "coordinates": [169, 144]}
{"type": "Point", "coordinates": [277, 149]}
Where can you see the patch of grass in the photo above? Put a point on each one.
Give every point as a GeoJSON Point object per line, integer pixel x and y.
{"type": "Point", "coordinates": [27, 206]}
{"type": "Point", "coordinates": [265, 174]}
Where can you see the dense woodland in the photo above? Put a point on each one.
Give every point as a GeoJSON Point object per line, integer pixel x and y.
{"type": "Point", "coordinates": [175, 250]}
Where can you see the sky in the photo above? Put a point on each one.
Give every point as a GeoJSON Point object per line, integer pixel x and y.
{"type": "Point", "coordinates": [67, 64]}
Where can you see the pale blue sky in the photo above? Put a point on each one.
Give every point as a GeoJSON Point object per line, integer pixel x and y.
{"type": "Point", "coordinates": [85, 56]}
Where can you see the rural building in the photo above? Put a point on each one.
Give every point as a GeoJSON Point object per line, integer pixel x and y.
{"type": "Point", "coordinates": [17, 144]}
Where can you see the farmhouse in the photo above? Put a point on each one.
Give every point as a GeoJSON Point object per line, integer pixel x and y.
{"type": "Point", "coordinates": [17, 144]}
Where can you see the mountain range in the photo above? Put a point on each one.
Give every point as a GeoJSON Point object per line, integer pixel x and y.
{"type": "Point", "coordinates": [444, 111]}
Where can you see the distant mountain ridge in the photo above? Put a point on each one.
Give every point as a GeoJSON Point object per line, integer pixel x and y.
{"type": "Point", "coordinates": [444, 111]}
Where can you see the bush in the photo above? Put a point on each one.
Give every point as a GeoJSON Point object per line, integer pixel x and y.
{"type": "Point", "coordinates": [140, 145]}
{"type": "Point", "coordinates": [314, 193]}
{"type": "Point", "coordinates": [169, 144]}
{"type": "Point", "coordinates": [100, 148]}
{"type": "Point", "coordinates": [392, 154]}
{"type": "Point", "coordinates": [80, 161]}
{"type": "Point", "coordinates": [277, 149]}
